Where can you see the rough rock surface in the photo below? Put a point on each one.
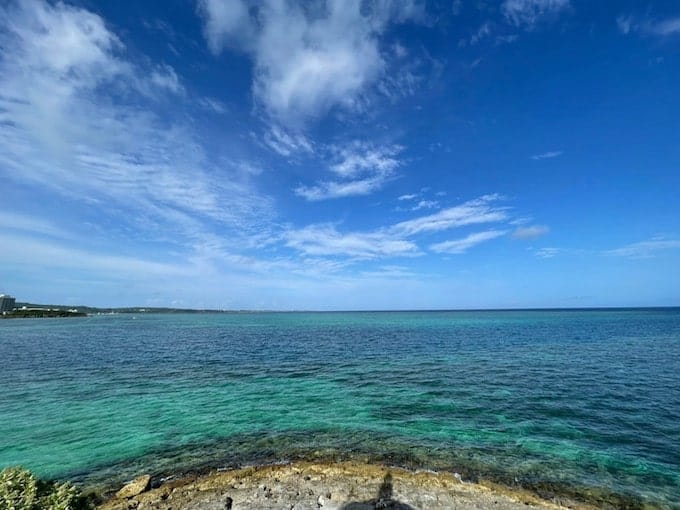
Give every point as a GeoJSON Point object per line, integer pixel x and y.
{"type": "Point", "coordinates": [342, 486]}
{"type": "Point", "coordinates": [135, 487]}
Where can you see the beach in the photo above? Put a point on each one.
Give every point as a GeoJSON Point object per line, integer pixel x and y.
{"type": "Point", "coordinates": [332, 486]}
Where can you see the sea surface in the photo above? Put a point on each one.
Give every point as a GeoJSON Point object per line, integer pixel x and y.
{"type": "Point", "coordinates": [583, 403]}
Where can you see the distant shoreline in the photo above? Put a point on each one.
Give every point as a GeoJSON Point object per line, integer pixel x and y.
{"type": "Point", "coordinates": [92, 310]}
{"type": "Point", "coordinates": [41, 314]}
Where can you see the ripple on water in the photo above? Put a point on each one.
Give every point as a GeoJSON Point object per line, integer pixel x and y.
{"type": "Point", "coordinates": [577, 402]}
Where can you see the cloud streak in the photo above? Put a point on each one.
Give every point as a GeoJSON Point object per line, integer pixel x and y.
{"type": "Point", "coordinates": [547, 253]}
{"type": "Point", "coordinates": [480, 210]}
{"type": "Point", "coordinates": [659, 28]}
{"type": "Point", "coordinates": [645, 249]}
{"type": "Point", "coordinates": [398, 240]}
{"type": "Point", "coordinates": [325, 240]}
{"type": "Point", "coordinates": [528, 13]}
{"type": "Point", "coordinates": [546, 155]}
{"type": "Point", "coordinates": [459, 246]}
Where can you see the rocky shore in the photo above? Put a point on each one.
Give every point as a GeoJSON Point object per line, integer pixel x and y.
{"type": "Point", "coordinates": [326, 486]}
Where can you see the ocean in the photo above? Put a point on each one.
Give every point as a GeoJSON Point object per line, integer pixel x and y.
{"type": "Point", "coordinates": [584, 403]}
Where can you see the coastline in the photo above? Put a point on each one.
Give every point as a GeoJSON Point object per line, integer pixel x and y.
{"type": "Point", "coordinates": [332, 486]}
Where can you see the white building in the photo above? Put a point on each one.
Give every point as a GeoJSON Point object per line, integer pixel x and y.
{"type": "Point", "coordinates": [6, 303]}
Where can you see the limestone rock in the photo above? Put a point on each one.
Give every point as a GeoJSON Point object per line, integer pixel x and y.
{"type": "Point", "coordinates": [135, 487]}
{"type": "Point", "coordinates": [328, 486]}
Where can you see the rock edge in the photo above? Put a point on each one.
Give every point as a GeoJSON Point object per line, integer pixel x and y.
{"type": "Point", "coordinates": [338, 486]}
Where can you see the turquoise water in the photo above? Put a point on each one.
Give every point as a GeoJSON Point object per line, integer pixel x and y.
{"type": "Point", "coordinates": [576, 402]}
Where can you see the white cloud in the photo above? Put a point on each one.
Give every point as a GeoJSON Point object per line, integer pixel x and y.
{"type": "Point", "coordinates": [506, 39]}
{"type": "Point", "coordinates": [165, 77]}
{"type": "Point", "coordinates": [307, 59]}
{"type": "Point", "coordinates": [531, 232]}
{"type": "Point", "coordinates": [361, 158]}
{"type": "Point", "coordinates": [410, 196]}
{"type": "Point", "coordinates": [547, 155]}
{"type": "Point", "coordinates": [395, 240]}
{"type": "Point", "coordinates": [480, 210]}
{"type": "Point", "coordinates": [12, 221]}
{"type": "Point", "coordinates": [399, 50]}
{"type": "Point", "coordinates": [529, 13]}
{"type": "Point", "coordinates": [390, 272]}
{"type": "Point", "coordinates": [63, 41]}
{"type": "Point", "coordinates": [547, 253]}
{"type": "Point", "coordinates": [325, 240]}
{"type": "Point", "coordinates": [336, 189]}
{"type": "Point", "coordinates": [625, 23]}
{"type": "Point", "coordinates": [287, 143]}
{"type": "Point", "coordinates": [666, 27]}
{"type": "Point", "coordinates": [213, 105]}
{"type": "Point", "coordinates": [362, 168]}
{"type": "Point", "coordinates": [645, 249]}
{"type": "Point", "coordinates": [458, 246]}
{"type": "Point", "coordinates": [425, 204]}
{"type": "Point", "coordinates": [23, 251]}
{"type": "Point", "coordinates": [483, 32]}
{"type": "Point", "coordinates": [662, 28]}
{"type": "Point", "coordinates": [226, 23]}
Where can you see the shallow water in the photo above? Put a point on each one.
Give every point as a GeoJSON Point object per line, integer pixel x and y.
{"type": "Point", "coordinates": [573, 401]}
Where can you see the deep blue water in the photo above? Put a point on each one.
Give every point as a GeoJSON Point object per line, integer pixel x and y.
{"type": "Point", "coordinates": [572, 401]}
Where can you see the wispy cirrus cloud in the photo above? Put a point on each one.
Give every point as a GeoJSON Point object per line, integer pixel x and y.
{"type": "Point", "coordinates": [165, 77]}
{"type": "Point", "coordinates": [660, 28]}
{"type": "Point", "coordinates": [645, 249]}
{"type": "Point", "coordinates": [400, 239]}
{"type": "Point", "coordinates": [13, 221]}
{"type": "Point", "coordinates": [547, 253]}
{"type": "Point", "coordinates": [287, 143]}
{"type": "Point", "coordinates": [359, 158]}
{"type": "Point", "coordinates": [79, 117]}
{"type": "Point", "coordinates": [361, 169]}
{"type": "Point", "coordinates": [325, 240]}
{"type": "Point", "coordinates": [409, 196]}
{"type": "Point", "coordinates": [20, 250]}
{"type": "Point", "coordinates": [484, 31]}
{"type": "Point", "coordinates": [480, 210]}
{"type": "Point", "coordinates": [458, 246]}
{"type": "Point", "coordinates": [339, 189]}
{"type": "Point", "coordinates": [625, 24]}
{"type": "Point", "coordinates": [515, 15]}
{"type": "Point", "coordinates": [213, 105]}
{"type": "Point", "coordinates": [547, 155]}
{"type": "Point", "coordinates": [666, 27]}
{"type": "Point", "coordinates": [528, 13]}
{"type": "Point", "coordinates": [425, 204]}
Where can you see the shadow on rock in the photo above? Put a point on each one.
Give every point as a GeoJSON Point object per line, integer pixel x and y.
{"type": "Point", "coordinates": [383, 501]}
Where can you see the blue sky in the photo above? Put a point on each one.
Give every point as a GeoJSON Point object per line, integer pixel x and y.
{"type": "Point", "coordinates": [340, 154]}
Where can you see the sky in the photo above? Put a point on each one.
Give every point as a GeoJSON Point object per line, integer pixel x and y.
{"type": "Point", "coordinates": [340, 154]}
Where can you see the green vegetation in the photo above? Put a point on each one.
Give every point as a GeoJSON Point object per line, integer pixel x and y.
{"type": "Point", "coordinates": [20, 490]}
